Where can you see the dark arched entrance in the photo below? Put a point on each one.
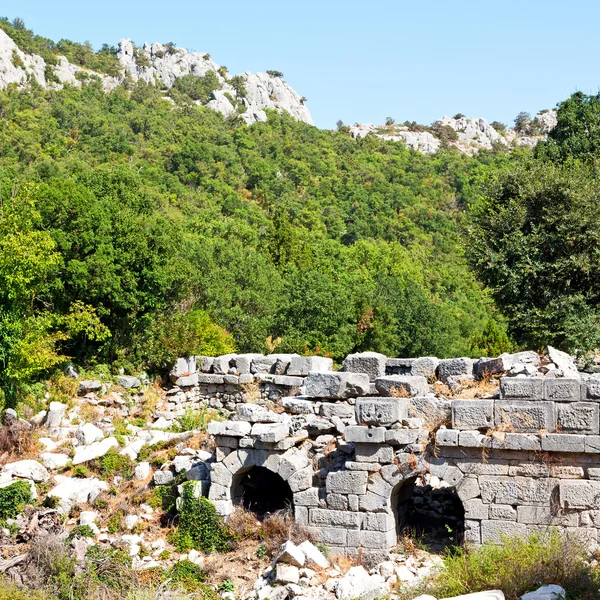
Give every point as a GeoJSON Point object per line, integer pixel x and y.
{"type": "Point", "coordinates": [261, 491]}
{"type": "Point", "coordinates": [435, 515]}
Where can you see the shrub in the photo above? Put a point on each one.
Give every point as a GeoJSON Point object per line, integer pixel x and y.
{"type": "Point", "coordinates": [13, 498]}
{"type": "Point", "coordinates": [518, 566]}
{"type": "Point", "coordinates": [273, 73]}
{"type": "Point", "coordinates": [81, 531]}
{"type": "Point", "coordinates": [191, 577]}
{"type": "Point", "coordinates": [200, 526]}
{"type": "Point", "coordinates": [501, 127]}
{"type": "Point", "coordinates": [113, 463]}
{"type": "Point", "coordinates": [80, 471]}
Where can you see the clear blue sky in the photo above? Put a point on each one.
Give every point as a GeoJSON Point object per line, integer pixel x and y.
{"type": "Point", "coordinates": [361, 61]}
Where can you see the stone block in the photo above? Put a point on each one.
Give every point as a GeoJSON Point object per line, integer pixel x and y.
{"type": "Point", "coordinates": [182, 367]}
{"type": "Point", "coordinates": [374, 453]}
{"type": "Point", "coordinates": [502, 512]}
{"type": "Point", "coordinates": [562, 389]}
{"type": "Point", "coordinates": [365, 435]}
{"type": "Point", "coordinates": [525, 416]}
{"type": "Point", "coordinates": [472, 414]}
{"type": "Point", "coordinates": [373, 503]}
{"type": "Point", "coordinates": [579, 417]}
{"type": "Point", "coordinates": [446, 437]}
{"type": "Point", "coordinates": [270, 433]}
{"type": "Point", "coordinates": [210, 379]}
{"type": "Point", "coordinates": [381, 411]}
{"type": "Point", "coordinates": [425, 366]}
{"type": "Point", "coordinates": [298, 406]}
{"type": "Point", "coordinates": [472, 532]}
{"type": "Point", "coordinates": [544, 515]}
{"type": "Point", "coordinates": [453, 476]}
{"type": "Point", "coordinates": [590, 389]}
{"type": "Point", "coordinates": [592, 444]}
{"type": "Point", "coordinates": [254, 413]}
{"type": "Point", "coordinates": [347, 482]}
{"type": "Point", "coordinates": [331, 536]}
{"type": "Point", "coordinates": [476, 509]}
{"type": "Point", "coordinates": [301, 480]}
{"type": "Point", "coordinates": [522, 388]}
{"type": "Point", "coordinates": [401, 437]}
{"type": "Point", "coordinates": [369, 363]}
{"type": "Point", "coordinates": [288, 381]}
{"type": "Point", "coordinates": [399, 366]}
{"type": "Point", "coordinates": [337, 409]}
{"type": "Point", "coordinates": [378, 539]}
{"type": "Point", "coordinates": [229, 428]}
{"type": "Point", "coordinates": [485, 367]}
{"type": "Point", "coordinates": [473, 439]}
{"type": "Point", "coordinates": [579, 494]}
{"type": "Point", "coordinates": [320, 384]}
{"type": "Point", "coordinates": [516, 490]}
{"type": "Point", "coordinates": [453, 367]}
{"type": "Point", "coordinates": [243, 362]}
{"type": "Point", "coordinates": [493, 531]}
{"type": "Point", "coordinates": [563, 442]}
{"type": "Point", "coordinates": [468, 488]}
{"type": "Point", "coordinates": [522, 441]}
{"type": "Point", "coordinates": [300, 366]}
{"type": "Point", "coordinates": [187, 380]}
{"type": "Point", "coordinates": [334, 518]}
{"type": "Point", "coordinates": [402, 385]}
{"type": "Point", "coordinates": [383, 521]}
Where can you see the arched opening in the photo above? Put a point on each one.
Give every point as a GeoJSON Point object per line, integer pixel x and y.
{"type": "Point", "coordinates": [436, 516]}
{"type": "Point", "coordinates": [261, 491]}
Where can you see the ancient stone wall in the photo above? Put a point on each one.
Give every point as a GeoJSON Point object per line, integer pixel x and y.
{"type": "Point", "coordinates": [352, 444]}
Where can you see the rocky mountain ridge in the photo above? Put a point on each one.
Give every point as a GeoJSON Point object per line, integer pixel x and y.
{"type": "Point", "coordinates": [162, 65]}
{"type": "Point", "coordinates": [469, 135]}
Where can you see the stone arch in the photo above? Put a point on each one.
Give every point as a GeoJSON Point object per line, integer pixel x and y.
{"type": "Point", "coordinates": [436, 513]}
{"type": "Point", "coordinates": [292, 467]}
{"type": "Point", "coordinates": [261, 490]}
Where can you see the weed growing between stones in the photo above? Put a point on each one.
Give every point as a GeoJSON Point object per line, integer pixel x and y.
{"type": "Point", "coordinates": [13, 498]}
{"type": "Point", "coordinates": [518, 566]}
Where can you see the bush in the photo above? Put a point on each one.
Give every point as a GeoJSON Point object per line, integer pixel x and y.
{"type": "Point", "coordinates": [191, 577]}
{"type": "Point", "coordinates": [13, 498]}
{"type": "Point", "coordinates": [518, 566]}
{"type": "Point", "coordinates": [273, 73]}
{"type": "Point", "coordinates": [113, 463]}
{"type": "Point", "coordinates": [200, 526]}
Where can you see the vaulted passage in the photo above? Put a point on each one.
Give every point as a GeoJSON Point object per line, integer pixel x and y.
{"type": "Point", "coordinates": [436, 516]}
{"type": "Point", "coordinates": [261, 491]}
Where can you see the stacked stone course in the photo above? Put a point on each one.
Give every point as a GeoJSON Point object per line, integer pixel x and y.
{"type": "Point", "coordinates": [351, 443]}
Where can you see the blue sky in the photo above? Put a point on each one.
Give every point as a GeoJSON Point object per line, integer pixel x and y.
{"type": "Point", "coordinates": [364, 61]}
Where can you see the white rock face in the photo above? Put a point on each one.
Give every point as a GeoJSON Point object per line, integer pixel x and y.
{"type": "Point", "coordinates": [546, 592]}
{"type": "Point", "coordinates": [158, 63]}
{"type": "Point", "coordinates": [89, 433]}
{"type": "Point", "coordinates": [54, 461]}
{"type": "Point", "coordinates": [95, 450]}
{"type": "Point", "coordinates": [55, 414]}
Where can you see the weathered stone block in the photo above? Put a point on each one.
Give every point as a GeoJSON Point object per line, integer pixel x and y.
{"type": "Point", "coordinates": [301, 480]}
{"type": "Point", "coordinates": [491, 366]}
{"type": "Point", "coordinates": [452, 367]}
{"type": "Point", "coordinates": [563, 442]}
{"type": "Point", "coordinates": [476, 509]}
{"type": "Point", "coordinates": [210, 379]}
{"type": "Point", "coordinates": [374, 453]}
{"type": "Point", "coordinates": [229, 428]}
{"type": "Point", "coordinates": [337, 409]}
{"type": "Point", "coordinates": [288, 381]}
{"type": "Point", "coordinates": [453, 476]}
{"type": "Point", "coordinates": [522, 388]}
{"type": "Point", "coordinates": [347, 482]}
{"type": "Point", "coordinates": [522, 441]}
{"type": "Point", "coordinates": [468, 488]}
{"type": "Point", "coordinates": [425, 366]}
{"type": "Point", "coordinates": [334, 518]}
{"type": "Point", "coordinates": [472, 414]}
{"type": "Point", "coordinates": [516, 490]}
{"type": "Point", "coordinates": [525, 416]}
{"type": "Point", "coordinates": [303, 365]}
{"type": "Point", "coordinates": [365, 435]}
{"type": "Point", "coordinates": [544, 515]}
{"type": "Point", "coordinates": [298, 406]}
{"type": "Point", "coordinates": [493, 531]}
{"type": "Point", "coordinates": [378, 539]}
{"type": "Point", "coordinates": [369, 363]}
{"type": "Point", "coordinates": [399, 366]}
{"type": "Point", "coordinates": [401, 437]}
{"type": "Point", "coordinates": [592, 444]}
{"type": "Point", "coordinates": [502, 512]}
{"type": "Point", "coordinates": [402, 385]}
{"type": "Point", "coordinates": [580, 417]}
{"type": "Point", "coordinates": [309, 497]}
{"type": "Point", "coordinates": [331, 536]}
{"type": "Point", "coordinates": [379, 521]}
{"type": "Point", "coordinates": [446, 437]}
{"type": "Point", "coordinates": [562, 389]}
{"type": "Point", "coordinates": [380, 411]}
{"type": "Point", "coordinates": [473, 439]}
{"type": "Point", "coordinates": [473, 532]}
{"type": "Point", "coordinates": [580, 494]}
{"type": "Point", "coordinates": [590, 389]}
{"type": "Point", "coordinates": [320, 384]}
{"type": "Point", "coordinates": [254, 413]}
{"type": "Point", "coordinates": [373, 503]}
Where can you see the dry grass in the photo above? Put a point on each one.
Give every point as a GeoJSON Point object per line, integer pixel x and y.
{"type": "Point", "coordinates": [344, 563]}
{"type": "Point", "coordinates": [469, 389]}
{"type": "Point", "coordinates": [18, 441]}
{"type": "Point", "coordinates": [251, 392]}
{"type": "Point", "coordinates": [280, 527]}
{"type": "Point", "coordinates": [244, 524]}
{"type": "Point", "coordinates": [399, 393]}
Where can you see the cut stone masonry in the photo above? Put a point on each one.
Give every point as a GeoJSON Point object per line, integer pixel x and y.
{"type": "Point", "coordinates": [351, 444]}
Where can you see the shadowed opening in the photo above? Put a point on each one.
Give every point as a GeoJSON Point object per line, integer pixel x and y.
{"type": "Point", "coordinates": [261, 491]}
{"type": "Point", "coordinates": [434, 517]}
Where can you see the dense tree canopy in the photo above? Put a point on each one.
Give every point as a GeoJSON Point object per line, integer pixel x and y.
{"type": "Point", "coordinates": [145, 209]}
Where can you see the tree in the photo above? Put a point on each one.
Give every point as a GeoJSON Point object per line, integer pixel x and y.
{"type": "Point", "coordinates": [535, 241]}
{"type": "Point", "coordinates": [389, 121]}
{"type": "Point", "coordinates": [522, 121]}
{"type": "Point", "coordinates": [500, 127]}
{"type": "Point", "coordinates": [273, 73]}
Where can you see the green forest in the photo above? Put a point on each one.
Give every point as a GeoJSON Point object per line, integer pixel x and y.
{"type": "Point", "coordinates": [135, 228]}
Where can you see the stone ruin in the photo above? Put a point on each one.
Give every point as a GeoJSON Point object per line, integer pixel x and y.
{"type": "Point", "coordinates": [363, 453]}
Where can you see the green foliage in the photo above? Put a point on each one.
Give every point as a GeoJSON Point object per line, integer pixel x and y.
{"type": "Point", "coordinates": [535, 244]}
{"type": "Point", "coordinates": [197, 420]}
{"type": "Point", "coordinates": [192, 577]}
{"type": "Point", "coordinates": [499, 127]}
{"type": "Point", "coordinates": [81, 531]}
{"type": "Point", "coordinates": [493, 340]}
{"type": "Point", "coordinates": [200, 526]}
{"type": "Point", "coordinates": [261, 552]}
{"type": "Point", "coordinates": [519, 566]}
{"type": "Point", "coordinates": [444, 133]}
{"type": "Point", "coordinates": [198, 88]}
{"type": "Point", "coordinates": [273, 73]}
{"type": "Point", "coordinates": [13, 499]}
{"type": "Point", "coordinates": [226, 586]}
{"type": "Point", "coordinates": [80, 471]}
{"type": "Point", "coordinates": [113, 463]}
{"type": "Point", "coordinates": [115, 522]}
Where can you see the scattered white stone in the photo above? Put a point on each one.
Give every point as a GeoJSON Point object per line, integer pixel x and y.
{"type": "Point", "coordinates": [55, 461]}
{"type": "Point", "coordinates": [95, 450]}
{"type": "Point", "coordinates": [131, 521]}
{"type": "Point", "coordinates": [27, 469]}
{"type": "Point", "coordinates": [358, 584]}
{"type": "Point", "coordinates": [89, 433]}
{"type": "Point", "coordinates": [286, 574]}
{"type": "Point", "coordinates": [290, 554]}
{"type": "Point", "coordinates": [314, 557]}
{"type": "Point", "coordinates": [142, 470]}
{"type": "Point", "coordinates": [49, 445]}
{"type": "Point", "coordinates": [55, 415]}
{"type": "Point", "coordinates": [71, 491]}
{"type": "Point", "coordinates": [490, 595]}
{"type": "Point", "coordinates": [546, 592]}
